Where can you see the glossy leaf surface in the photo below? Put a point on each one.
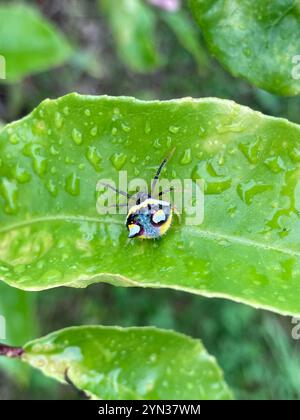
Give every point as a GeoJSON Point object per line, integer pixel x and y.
{"type": "Point", "coordinates": [254, 39]}
{"type": "Point", "coordinates": [132, 363]}
{"type": "Point", "coordinates": [247, 249]}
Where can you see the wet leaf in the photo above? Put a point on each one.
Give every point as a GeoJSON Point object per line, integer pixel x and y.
{"type": "Point", "coordinates": [256, 40]}
{"type": "Point", "coordinates": [28, 42]}
{"type": "Point", "coordinates": [247, 249]}
{"type": "Point", "coordinates": [129, 363]}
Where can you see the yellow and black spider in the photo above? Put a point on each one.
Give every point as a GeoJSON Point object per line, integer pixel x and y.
{"type": "Point", "coordinates": [150, 217]}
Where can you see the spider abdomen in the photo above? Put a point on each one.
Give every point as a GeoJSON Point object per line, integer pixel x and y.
{"type": "Point", "coordinates": [149, 219]}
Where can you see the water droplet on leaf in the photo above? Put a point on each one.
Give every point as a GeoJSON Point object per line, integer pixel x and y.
{"type": "Point", "coordinates": [186, 157]}
{"type": "Point", "coordinates": [94, 157]}
{"type": "Point", "coordinates": [77, 136]}
{"type": "Point", "coordinates": [58, 120]}
{"type": "Point", "coordinates": [72, 185]}
{"type": "Point", "coordinates": [174, 129]}
{"type": "Point", "coordinates": [8, 190]}
{"type": "Point", "coordinates": [247, 191]}
{"type": "Point", "coordinates": [118, 160]}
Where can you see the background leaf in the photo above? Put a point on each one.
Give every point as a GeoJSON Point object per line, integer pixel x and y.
{"type": "Point", "coordinates": [248, 247]}
{"type": "Point", "coordinates": [133, 26]}
{"type": "Point", "coordinates": [254, 39]}
{"type": "Point", "coordinates": [132, 363]}
{"type": "Point", "coordinates": [28, 42]}
{"type": "Point", "coordinates": [19, 310]}
{"type": "Point", "coordinates": [188, 36]}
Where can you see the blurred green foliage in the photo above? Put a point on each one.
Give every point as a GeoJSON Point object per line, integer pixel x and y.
{"type": "Point", "coordinates": [19, 310]}
{"type": "Point", "coordinates": [28, 42]}
{"type": "Point", "coordinates": [253, 347]}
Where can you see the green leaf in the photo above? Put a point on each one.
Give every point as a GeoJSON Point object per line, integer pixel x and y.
{"type": "Point", "coordinates": [129, 363]}
{"type": "Point", "coordinates": [133, 26]}
{"type": "Point", "coordinates": [247, 249]}
{"type": "Point", "coordinates": [256, 40]}
{"type": "Point", "coordinates": [28, 42]}
{"type": "Point", "coordinates": [188, 36]}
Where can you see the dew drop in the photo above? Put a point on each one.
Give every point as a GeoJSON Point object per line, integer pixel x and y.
{"type": "Point", "coordinates": [214, 183]}
{"type": "Point", "coordinates": [77, 136]}
{"type": "Point", "coordinates": [87, 112]}
{"type": "Point", "coordinates": [94, 157]}
{"type": "Point", "coordinates": [247, 191]}
{"type": "Point", "coordinates": [275, 164]}
{"type": "Point", "coordinates": [118, 160]}
{"type": "Point", "coordinates": [186, 157]}
{"type": "Point", "coordinates": [117, 113]}
{"type": "Point", "coordinates": [58, 120]}
{"type": "Point", "coordinates": [94, 131]}
{"type": "Point", "coordinates": [39, 162]}
{"type": "Point", "coordinates": [153, 357]}
{"type": "Point", "coordinates": [51, 187]}
{"type": "Point", "coordinates": [8, 190]}
{"type": "Point", "coordinates": [125, 128]}
{"type": "Point", "coordinates": [66, 110]}
{"type": "Point", "coordinates": [39, 127]}
{"type": "Point", "coordinates": [156, 144]}
{"type": "Point", "coordinates": [232, 210]}
{"type": "Point", "coordinates": [174, 129]}
{"type": "Point", "coordinates": [53, 150]}
{"type": "Point", "coordinates": [295, 155]}
{"type": "Point", "coordinates": [251, 150]}
{"type": "Point", "coordinates": [235, 127]}
{"type": "Point", "coordinates": [51, 276]}
{"type": "Point", "coordinates": [13, 138]}
{"type": "Point", "coordinates": [21, 175]}
{"type": "Point", "coordinates": [147, 127]}
{"type": "Point", "coordinates": [72, 185]}
{"type": "Point", "coordinates": [68, 160]}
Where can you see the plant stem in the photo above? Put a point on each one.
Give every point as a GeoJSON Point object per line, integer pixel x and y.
{"type": "Point", "coordinates": [9, 351]}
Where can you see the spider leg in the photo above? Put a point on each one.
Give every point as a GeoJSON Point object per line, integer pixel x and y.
{"type": "Point", "coordinates": [161, 193]}
{"type": "Point", "coordinates": [115, 189]}
{"type": "Point", "coordinates": [160, 168]}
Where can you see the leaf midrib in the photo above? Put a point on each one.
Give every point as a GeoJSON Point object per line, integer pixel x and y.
{"type": "Point", "coordinates": [207, 234]}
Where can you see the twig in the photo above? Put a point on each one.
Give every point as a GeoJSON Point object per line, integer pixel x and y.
{"type": "Point", "coordinates": [11, 352]}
